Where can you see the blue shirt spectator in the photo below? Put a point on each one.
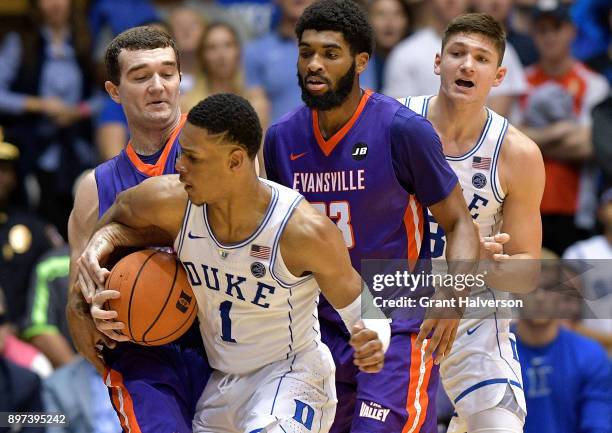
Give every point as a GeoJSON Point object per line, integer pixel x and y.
{"type": "Point", "coordinates": [567, 382]}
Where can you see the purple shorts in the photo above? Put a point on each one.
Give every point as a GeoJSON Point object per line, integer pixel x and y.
{"type": "Point", "coordinates": [399, 399]}
{"type": "Point", "coordinates": [155, 389]}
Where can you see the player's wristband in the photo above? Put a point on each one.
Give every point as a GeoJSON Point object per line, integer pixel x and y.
{"type": "Point", "coordinates": [351, 314]}
{"type": "Point", "coordinates": [382, 328]}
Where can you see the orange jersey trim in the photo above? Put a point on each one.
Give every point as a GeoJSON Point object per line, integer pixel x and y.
{"type": "Point", "coordinates": [417, 401]}
{"type": "Point", "coordinates": [414, 224]}
{"type": "Point", "coordinates": [122, 402]}
{"type": "Point", "coordinates": [327, 146]}
{"type": "Point", "coordinates": [157, 169]}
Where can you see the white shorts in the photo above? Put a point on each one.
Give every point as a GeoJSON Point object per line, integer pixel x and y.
{"type": "Point", "coordinates": [482, 366]}
{"type": "Point", "coordinates": [297, 395]}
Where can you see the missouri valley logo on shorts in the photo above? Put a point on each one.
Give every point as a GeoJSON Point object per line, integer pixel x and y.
{"type": "Point", "coordinates": [373, 410]}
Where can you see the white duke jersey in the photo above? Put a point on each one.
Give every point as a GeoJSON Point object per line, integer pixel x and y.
{"type": "Point", "coordinates": [477, 173]}
{"type": "Point", "coordinates": [484, 361]}
{"type": "Point", "coordinates": [252, 310]}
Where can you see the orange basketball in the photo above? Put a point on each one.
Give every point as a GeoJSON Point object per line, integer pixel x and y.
{"type": "Point", "coordinates": [157, 304]}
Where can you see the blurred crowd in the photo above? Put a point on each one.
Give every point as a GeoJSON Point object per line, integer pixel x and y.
{"type": "Point", "coordinates": [59, 122]}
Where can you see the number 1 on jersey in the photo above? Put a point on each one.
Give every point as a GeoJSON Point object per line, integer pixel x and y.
{"type": "Point", "coordinates": [340, 213]}
{"type": "Point", "coordinates": [226, 322]}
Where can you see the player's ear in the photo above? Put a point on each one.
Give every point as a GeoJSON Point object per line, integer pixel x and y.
{"type": "Point", "coordinates": [437, 62]}
{"type": "Point", "coordinates": [361, 62]}
{"type": "Point", "coordinates": [113, 91]}
{"type": "Point", "coordinates": [499, 76]}
{"type": "Point", "coordinates": [237, 158]}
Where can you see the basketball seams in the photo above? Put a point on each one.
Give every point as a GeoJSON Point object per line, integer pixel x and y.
{"type": "Point", "coordinates": [132, 291]}
{"type": "Point", "coordinates": [164, 305]}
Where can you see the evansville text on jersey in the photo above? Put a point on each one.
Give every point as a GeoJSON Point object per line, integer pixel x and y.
{"type": "Point", "coordinates": [334, 181]}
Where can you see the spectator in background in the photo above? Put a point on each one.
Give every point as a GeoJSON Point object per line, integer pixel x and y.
{"type": "Point", "coordinates": [595, 277]}
{"type": "Point", "coordinates": [46, 101]}
{"type": "Point", "coordinates": [20, 389]}
{"type": "Point", "coordinates": [602, 131]}
{"type": "Point", "coordinates": [270, 67]}
{"type": "Point", "coordinates": [409, 69]}
{"type": "Point", "coordinates": [221, 62]}
{"type": "Point", "coordinates": [567, 378]}
{"type": "Point", "coordinates": [557, 116]}
{"type": "Point", "coordinates": [502, 10]}
{"type": "Point", "coordinates": [77, 391]}
{"type": "Point", "coordinates": [187, 27]}
{"type": "Point", "coordinates": [23, 236]}
{"type": "Point", "coordinates": [593, 43]}
{"type": "Point", "coordinates": [45, 325]}
{"type": "Point", "coordinates": [15, 350]}
{"type": "Point", "coordinates": [391, 21]}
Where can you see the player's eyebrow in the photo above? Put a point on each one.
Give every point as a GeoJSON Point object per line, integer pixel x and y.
{"type": "Point", "coordinates": [144, 65]}
{"type": "Point", "coordinates": [326, 46]}
{"type": "Point", "coordinates": [464, 45]}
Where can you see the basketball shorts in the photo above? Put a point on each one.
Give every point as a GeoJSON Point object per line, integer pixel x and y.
{"type": "Point", "coordinates": [400, 398]}
{"type": "Point", "coordinates": [155, 389]}
{"type": "Point", "coordinates": [296, 395]}
{"type": "Point", "coordinates": [483, 370]}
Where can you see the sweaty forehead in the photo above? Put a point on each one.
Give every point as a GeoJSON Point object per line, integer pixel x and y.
{"type": "Point", "coordinates": [152, 57]}
{"type": "Point", "coordinates": [323, 38]}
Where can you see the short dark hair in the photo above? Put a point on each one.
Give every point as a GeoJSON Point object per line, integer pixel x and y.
{"type": "Point", "coordinates": [483, 24]}
{"type": "Point", "coordinates": [136, 38]}
{"type": "Point", "coordinates": [344, 16]}
{"type": "Point", "coordinates": [227, 113]}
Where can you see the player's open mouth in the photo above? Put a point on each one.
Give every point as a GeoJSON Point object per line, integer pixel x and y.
{"type": "Point", "coordinates": [157, 103]}
{"type": "Point", "coordinates": [315, 84]}
{"type": "Point", "coordinates": [464, 83]}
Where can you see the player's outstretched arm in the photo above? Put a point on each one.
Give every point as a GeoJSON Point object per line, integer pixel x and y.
{"type": "Point", "coordinates": [312, 243]}
{"type": "Point", "coordinates": [521, 170]}
{"type": "Point", "coordinates": [462, 253]}
{"type": "Point", "coordinates": [148, 214]}
{"type": "Point", "coordinates": [81, 224]}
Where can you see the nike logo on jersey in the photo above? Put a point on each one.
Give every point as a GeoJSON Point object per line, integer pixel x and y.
{"type": "Point", "coordinates": [190, 236]}
{"type": "Point", "coordinates": [293, 156]}
{"type": "Point", "coordinates": [471, 331]}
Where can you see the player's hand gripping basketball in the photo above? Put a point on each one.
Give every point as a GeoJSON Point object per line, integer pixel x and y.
{"type": "Point", "coordinates": [369, 354]}
{"type": "Point", "coordinates": [92, 276]}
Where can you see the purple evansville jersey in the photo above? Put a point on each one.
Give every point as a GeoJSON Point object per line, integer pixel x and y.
{"type": "Point", "coordinates": [127, 170]}
{"type": "Point", "coordinates": [373, 178]}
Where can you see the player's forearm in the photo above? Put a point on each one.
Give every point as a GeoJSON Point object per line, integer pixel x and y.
{"type": "Point", "coordinates": [116, 235]}
{"type": "Point", "coordinates": [517, 274]}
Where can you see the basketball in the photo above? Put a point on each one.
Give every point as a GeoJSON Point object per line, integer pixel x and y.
{"type": "Point", "coordinates": [157, 304]}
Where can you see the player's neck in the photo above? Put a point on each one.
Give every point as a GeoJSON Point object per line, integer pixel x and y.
{"type": "Point", "coordinates": [236, 217]}
{"type": "Point", "coordinates": [458, 125]}
{"type": "Point", "coordinates": [147, 141]}
{"type": "Point", "coordinates": [331, 121]}
{"type": "Point", "coordinates": [537, 336]}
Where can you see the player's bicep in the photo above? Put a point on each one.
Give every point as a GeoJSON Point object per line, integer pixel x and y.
{"type": "Point", "coordinates": [157, 202]}
{"type": "Point", "coordinates": [312, 243]}
{"type": "Point", "coordinates": [522, 220]}
{"type": "Point", "coordinates": [82, 220]}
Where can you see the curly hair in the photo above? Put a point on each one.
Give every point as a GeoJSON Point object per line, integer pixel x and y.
{"type": "Point", "coordinates": [136, 38]}
{"type": "Point", "coordinates": [344, 16]}
{"type": "Point", "coordinates": [226, 113]}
